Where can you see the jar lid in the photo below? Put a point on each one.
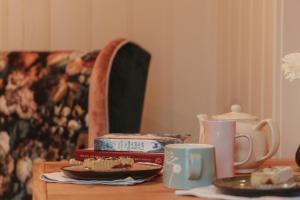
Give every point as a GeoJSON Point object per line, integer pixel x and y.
{"type": "Point", "coordinates": [235, 114]}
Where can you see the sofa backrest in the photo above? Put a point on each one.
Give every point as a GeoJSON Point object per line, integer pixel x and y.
{"type": "Point", "coordinates": [43, 111]}
{"type": "Point", "coordinates": [118, 98]}
{"type": "Point", "coordinates": [44, 107]}
{"type": "Point", "coordinates": [127, 85]}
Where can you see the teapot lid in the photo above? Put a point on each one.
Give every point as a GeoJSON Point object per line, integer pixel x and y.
{"type": "Point", "coordinates": [235, 114]}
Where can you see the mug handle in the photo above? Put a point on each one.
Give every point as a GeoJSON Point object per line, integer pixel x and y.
{"type": "Point", "coordinates": [195, 166]}
{"type": "Point", "coordinates": [250, 149]}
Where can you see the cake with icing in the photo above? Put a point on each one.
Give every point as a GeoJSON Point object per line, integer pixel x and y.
{"type": "Point", "coordinates": [271, 175]}
{"type": "Point", "coordinates": [108, 163]}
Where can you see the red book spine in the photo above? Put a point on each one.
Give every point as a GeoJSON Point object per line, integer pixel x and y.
{"type": "Point", "coordinates": [157, 158]}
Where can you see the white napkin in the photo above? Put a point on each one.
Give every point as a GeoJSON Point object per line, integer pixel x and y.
{"type": "Point", "coordinates": [211, 192]}
{"type": "Point", "coordinates": [59, 177]}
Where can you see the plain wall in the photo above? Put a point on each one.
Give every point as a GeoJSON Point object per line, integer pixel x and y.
{"type": "Point", "coordinates": [206, 54]}
{"type": "Point", "coordinates": [290, 91]}
{"type": "Point", "coordinates": [181, 35]}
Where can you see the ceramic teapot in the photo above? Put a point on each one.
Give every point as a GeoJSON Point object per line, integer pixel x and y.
{"type": "Point", "coordinates": [248, 124]}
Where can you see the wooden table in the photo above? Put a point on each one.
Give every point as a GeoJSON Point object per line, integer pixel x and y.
{"type": "Point", "coordinates": [153, 190]}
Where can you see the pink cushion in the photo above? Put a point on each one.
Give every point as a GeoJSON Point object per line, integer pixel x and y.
{"type": "Point", "coordinates": [98, 115]}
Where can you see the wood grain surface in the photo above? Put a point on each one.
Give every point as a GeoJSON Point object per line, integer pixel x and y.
{"type": "Point", "coordinates": [153, 190]}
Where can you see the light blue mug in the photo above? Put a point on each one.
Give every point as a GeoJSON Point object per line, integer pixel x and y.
{"type": "Point", "coordinates": [188, 166]}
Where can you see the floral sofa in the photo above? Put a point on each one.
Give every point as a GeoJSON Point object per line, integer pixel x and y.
{"type": "Point", "coordinates": [45, 105]}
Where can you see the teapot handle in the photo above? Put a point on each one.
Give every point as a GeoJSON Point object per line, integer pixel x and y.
{"type": "Point", "coordinates": [275, 139]}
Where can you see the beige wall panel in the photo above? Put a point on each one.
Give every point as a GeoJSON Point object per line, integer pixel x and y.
{"type": "Point", "coordinates": [290, 95]}
{"type": "Point", "coordinates": [228, 53]}
{"type": "Point", "coordinates": [206, 54]}
{"type": "Point", "coordinates": [110, 19]}
{"type": "Point", "coordinates": [250, 43]}
{"type": "Point", "coordinates": [245, 65]}
{"type": "Point", "coordinates": [221, 65]}
{"type": "Point", "coordinates": [194, 63]}
{"type": "Point", "coordinates": [36, 24]}
{"type": "Point", "coordinates": [3, 24]}
{"type": "Point", "coordinates": [247, 61]}
{"type": "Point", "coordinates": [248, 55]}
{"type": "Point", "coordinates": [70, 24]}
{"type": "Point", "coordinates": [277, 73]}
{"type": "Point", "coordinates": [269, 38]}
{"type": "Point", "coordinates": [257, 59]}
{"type": "Point", "coordinates": [15, 25]}
{"type": "Point", "coordinates": [152, 29]}
{"type": "Point", "coordinates": [235, 40]}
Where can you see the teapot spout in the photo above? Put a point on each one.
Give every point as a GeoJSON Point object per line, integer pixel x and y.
{"type": "Point", "coordinates": [201, 118]}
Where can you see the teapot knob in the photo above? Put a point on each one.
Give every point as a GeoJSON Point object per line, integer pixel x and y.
{"type": "Point", "coordinates": [236, 108]}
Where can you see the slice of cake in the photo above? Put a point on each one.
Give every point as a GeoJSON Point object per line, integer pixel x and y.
{"type": "Point", "coordinates": [108, 163]}
{"type": "Point", "coordinates": [73, 161]}
{"type": "Point", "coordinates": [271, 175]}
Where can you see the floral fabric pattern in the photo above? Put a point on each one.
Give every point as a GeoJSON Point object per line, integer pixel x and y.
{"type": "Point", "coordinates": [43, 113]}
